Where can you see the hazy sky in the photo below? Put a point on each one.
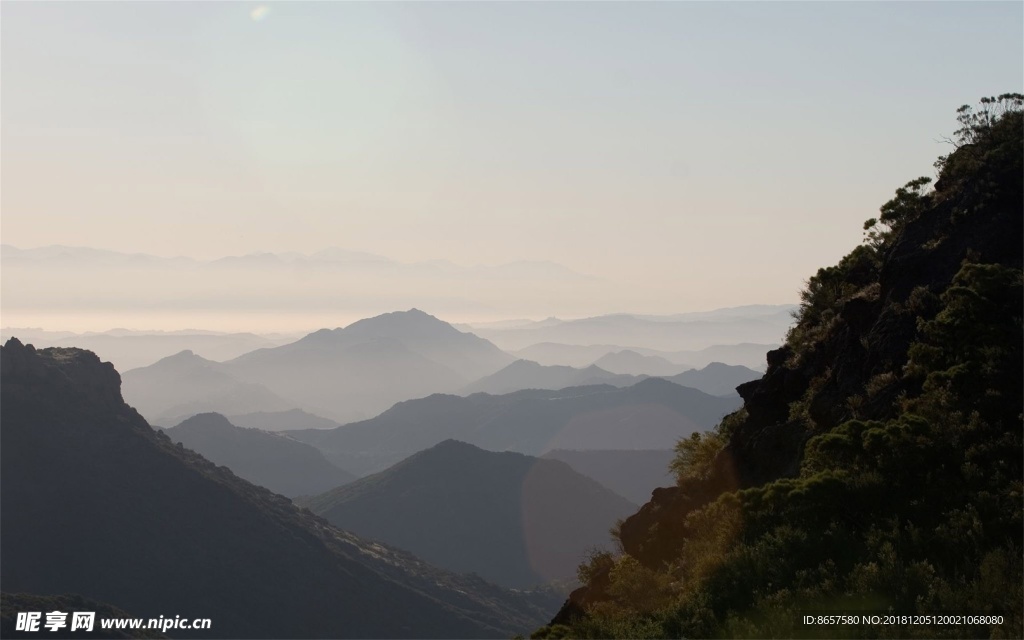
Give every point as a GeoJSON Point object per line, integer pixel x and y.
{"type": "Point", "coordinates": [718, 153]}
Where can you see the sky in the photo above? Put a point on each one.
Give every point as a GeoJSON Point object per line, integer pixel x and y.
{"type": "Point", "coordinates": [689, 155]}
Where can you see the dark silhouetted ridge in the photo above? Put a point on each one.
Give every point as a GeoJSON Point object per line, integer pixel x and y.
{"type": "Point", "coordinates": [95, 502]}
{"type": "Point", "coordinates": [510, 518]}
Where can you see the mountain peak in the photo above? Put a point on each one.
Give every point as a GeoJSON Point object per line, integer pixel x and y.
{"type": "Point", "coordinates": [209, 420]}
{"type": "Point", "coordinates": [185, 355]}
{"type": "Point", "coordinates": [183, 360]}
{"type": "Point", "coordinates": [445, 453]}
{"type": "Point", "coordinates": [413, 323]}
{"type": "Point", "coordinates": [454, 446]}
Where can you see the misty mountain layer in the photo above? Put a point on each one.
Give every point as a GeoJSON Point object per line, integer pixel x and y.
{"type": "Point", "coordinates": [653, 414]}
{"type": "Point", "coordinates": [341, 374]}
{"type": "Point", "coordinates": [369, 365]}
{"type": "Point", "coordinates": [95, 502]}
{"type": "Point", "coordinates": [185, 384]}
{"type": "Point", "coordinates": [523, 374]}
{"type": "Point", "coordinates": [280, 464]}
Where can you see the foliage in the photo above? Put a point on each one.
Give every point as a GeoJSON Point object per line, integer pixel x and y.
{"type": "Point", "coordinates": [909, 498]}
{"type": "Point", "coordinates": [695, 456]}
{"type": "Point", "coordinates": [910, 201]}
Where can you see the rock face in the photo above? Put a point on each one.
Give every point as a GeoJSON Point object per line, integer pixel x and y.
{"type": "Point", "coordinates": [95, 502]}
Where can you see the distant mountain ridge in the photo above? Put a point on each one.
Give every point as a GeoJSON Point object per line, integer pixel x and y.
{"type": "Point", "coordinates": [335, 282]}
{"type": "Point", "coordinates": [510, 518]}
{"type": "Point", "coordinates": [341, 374]}
{"type": "Point", "coordinates": [752, 355]}
{"type": "Point", "coordinates": [283, 465]}
{"type": "Point", "coordinates": [633, 363]}
{"type": "Point", "coordinates": [95, 502]}
{"type": "Point", "coordinates": [129, 350]}
{"type": "Point", "coordinates": [652, 414]}
{"type": "Point", "coordinates": [665, 333]}
{"type": "Point", "coordinates": [716, 378]}
{"type": "Point", "coordinates": [281, 420]}
{"type": "Point", "coordinates": [369, 365]}
{"type": "Point", "coordinates": [524, 374]}
{"type": "Point", "coordinates": [185, 384]}
{"type": "Point", "coordinates": [331, 256]}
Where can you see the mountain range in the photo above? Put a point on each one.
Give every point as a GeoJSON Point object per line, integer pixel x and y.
{"type": "Point", "coordinates": [652, 414]}
{"type": "Point", "coordinates": [762, 324]}
{"type": "Point", "coordinates": [281, 420]}
{"type": "Point", "coordinates": [512, 519]}
{"type": "Point", "coordinates": [369, 365]}
{"type": "Point", "coordinates": [716, 379]}
{"type": "Point", "coordinates": [332, 258]}
{"type": "Point", "coordinates": [97, 503]}
{"type": "Point", "coordinates": [633, 363]}
{"type": "Point", "coordinates": [341, 374]}
{"type": "Point", "coordinates": [748, 354]}
{"type": "Point", "coordinates": [233, 290]}
{"type": "Point", "coordinates": [524, 374]}
{"type": "Point", "coordinates": [128, 350]}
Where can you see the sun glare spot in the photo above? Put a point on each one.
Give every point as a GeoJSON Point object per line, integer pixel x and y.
{"type": "Point", "coordinates": [259, 13]}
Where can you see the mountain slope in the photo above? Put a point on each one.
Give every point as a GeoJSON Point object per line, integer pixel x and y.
{"type": "Point", "coordinates": [185, 384]}
{"type": "Point", "coordinates": [97, 503]}
{"type": "Point", "coordinates": [280, 464]}
{"type": "Point", "coordinates": [877, 465]}
{"type": "Point", "coordinates": [281, 420]}
{"type": "Point", "coordinates": [523, 374]}
{"type": "Point", "coordinates": [652, 414]}
{"type": "Point", "coordinates": [664, 333]}
{"type": "Point", "coordinates": [502, 516]}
